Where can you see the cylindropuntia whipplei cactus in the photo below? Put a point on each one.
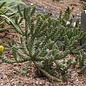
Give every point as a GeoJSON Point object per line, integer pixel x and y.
{"type": "Point", "coordinates": [46, 42]}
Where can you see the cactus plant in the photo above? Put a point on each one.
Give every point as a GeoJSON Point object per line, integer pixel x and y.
{"type": "Point", "coordinates": [46, 42]}
{"type": "Point", "coordinates": [9, 9]}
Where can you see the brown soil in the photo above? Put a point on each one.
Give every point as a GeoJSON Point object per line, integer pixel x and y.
{"type": "Point", "coordinates": [62, 5]}
{"type": "Point", "coordinates": [8, 77]}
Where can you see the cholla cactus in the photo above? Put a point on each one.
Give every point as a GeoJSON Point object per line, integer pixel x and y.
{"type": "Point", "coordinates": [46, 42]}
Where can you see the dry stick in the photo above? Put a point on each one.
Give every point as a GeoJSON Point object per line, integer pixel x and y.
{"type": "Point", "coordinates": [50, 76]}
{"type": "Point", "coordinates": [47, 74]}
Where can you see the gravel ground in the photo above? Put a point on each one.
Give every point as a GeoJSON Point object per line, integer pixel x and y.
{"type": "Point", "coordinates": [56, 7]}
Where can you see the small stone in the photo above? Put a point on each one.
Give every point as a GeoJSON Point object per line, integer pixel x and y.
{"type": "Point", "coordinates": [37, 82]}
{"type": "Point", "coordinates": [32, 4]}
{"type": "Point", "coordinates": [40, 83]}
